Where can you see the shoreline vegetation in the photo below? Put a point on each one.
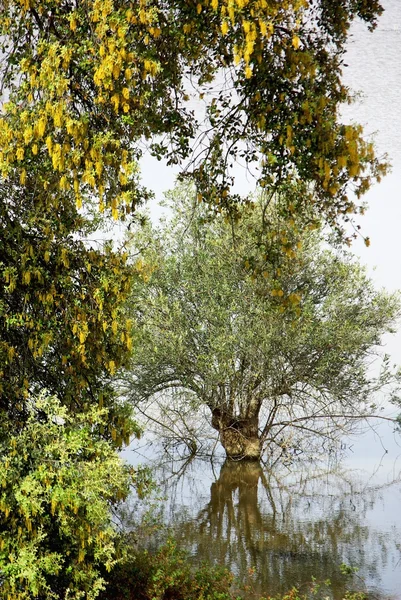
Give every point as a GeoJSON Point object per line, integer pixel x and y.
{"type": "Point", "coordinates": [167, 574]}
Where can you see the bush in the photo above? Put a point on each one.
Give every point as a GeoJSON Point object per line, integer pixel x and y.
{"type": "Point", "coordinates": [59, 479]}
{"type": "Point", "coordinates": [165, 575]}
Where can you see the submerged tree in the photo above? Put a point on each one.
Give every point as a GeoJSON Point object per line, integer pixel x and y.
{"type": "Point", "coordinates": [275, 354]}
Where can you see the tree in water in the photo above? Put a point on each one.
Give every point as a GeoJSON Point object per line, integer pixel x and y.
{"type": "Point", "coordinates": [85, 86]}
{"type": "Point", "coordinates": [277, 346]}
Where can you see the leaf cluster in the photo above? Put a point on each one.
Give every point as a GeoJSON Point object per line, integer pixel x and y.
{"type": "Point", "coordinates": [91, 85]}
{"type": "Point", "coordinates": [58, 480]}
{"type": "Point", "coordinates": [60, 307]}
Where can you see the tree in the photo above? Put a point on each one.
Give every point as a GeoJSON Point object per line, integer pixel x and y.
{"type": "Point", "coordinates": [275, 355]}
{"type": "Point", "coordinates": [58, 480]}
{"type": "Point", "coordinates": [61, 333]}
{"type": "Point", "coordinates": [60, 306]}
{"type": "Point", "coordinates": [90, 84]}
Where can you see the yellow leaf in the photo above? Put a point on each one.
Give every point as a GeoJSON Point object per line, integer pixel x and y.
{"type": "Point", "coordinates": [296, 42]}
{"type": "Point", "coordinates": [20, 153]}
{"type": "Point", "coordinates": [224, 27]}
{"type": "Point", "coordinates": [41, 127]}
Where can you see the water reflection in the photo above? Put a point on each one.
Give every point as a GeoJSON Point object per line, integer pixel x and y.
{"type": "Point", "coordinates": [288, 525]}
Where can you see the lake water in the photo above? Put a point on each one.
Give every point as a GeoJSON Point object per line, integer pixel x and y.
{"type": "Point", "coordinates": [298, 520]}
{"type": "Point", "coordinates": [303, 518]}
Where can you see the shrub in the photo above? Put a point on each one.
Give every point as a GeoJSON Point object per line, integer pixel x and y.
{"type": "Point", "coordinates": [165, 575]}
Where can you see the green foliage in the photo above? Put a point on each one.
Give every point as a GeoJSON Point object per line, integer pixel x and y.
{"type": "Point", "coordinates": [60, 308]}
{"type": "Point", "coordinates": [61, 330]}
{"type": "Point", "coordinates": [88, 83]}
{"type": "Point", "coordinates": [288, 343]}
{"type": "Point", "coordinates": [347, 569]}
{"type": "Point", "coordinates": [166, 575]}
{"type": "Point", "coordinates": [58, 480]}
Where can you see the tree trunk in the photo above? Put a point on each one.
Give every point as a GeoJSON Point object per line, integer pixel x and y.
{"type": "Point", "coordinates": [239, 437]}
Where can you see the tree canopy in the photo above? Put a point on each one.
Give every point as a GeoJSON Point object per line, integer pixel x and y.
{"type": "Point", "coordinates": [60, 306]}
{"type": "Point", "coordinates": [276, 355]}
{"type": "Point", "coordinates": [93, 84]}
{"type": "Point", "coordinates": [62, 336]}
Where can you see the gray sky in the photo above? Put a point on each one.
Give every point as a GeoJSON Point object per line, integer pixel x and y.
{"type": "Point", "coordinates": [375, 71]}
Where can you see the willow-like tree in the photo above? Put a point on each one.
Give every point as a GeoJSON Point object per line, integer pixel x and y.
{"type": "Point", "coordinates": [275, 356]}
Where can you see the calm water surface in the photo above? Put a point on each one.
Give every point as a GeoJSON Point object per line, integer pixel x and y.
{"type": "Point", "coordinates": [299, 520]}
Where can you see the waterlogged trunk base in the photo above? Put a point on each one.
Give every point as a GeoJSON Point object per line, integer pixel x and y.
{"type": "Point", "coordinates": [239, 437]}
{"type": "Point", "coordinates": [238, 447]}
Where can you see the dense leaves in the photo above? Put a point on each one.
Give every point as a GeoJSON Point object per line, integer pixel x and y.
{"type": "Point", "coordinates": [275, 354]}
{"type": "Point", "coordinates": [58, 479]}
{"type": "Point", "coordinates": [203, 83]}
{"type": "Point", "coordinates": [166, 574]}
{"type": "Point", "coordinates": [60, 305]}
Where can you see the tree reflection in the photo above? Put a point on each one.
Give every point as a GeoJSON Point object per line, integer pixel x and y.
{"type": "Point", "coordinates": [286, 527]}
